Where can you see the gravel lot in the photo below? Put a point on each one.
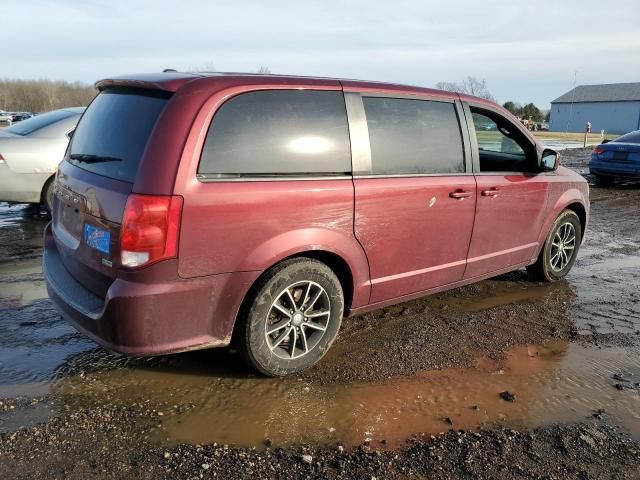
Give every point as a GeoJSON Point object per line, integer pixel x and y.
{"type": "Point", "coordinates": [507, 378]}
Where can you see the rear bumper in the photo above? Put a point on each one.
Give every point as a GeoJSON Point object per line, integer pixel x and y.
{"type": "Point", "coordinates": [149, 317]}
{"type": "Point", "coordinates": [627, 170]}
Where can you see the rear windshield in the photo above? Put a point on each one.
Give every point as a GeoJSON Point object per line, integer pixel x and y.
{"type": "Point", "coordinates": [632, 137]}
{"type": "Point", "coordinates": [114, 131]}
{"type": "Point", "coordinates": [31, 125]}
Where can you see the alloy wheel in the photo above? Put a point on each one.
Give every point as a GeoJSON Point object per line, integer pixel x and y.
{"type": "Point", "coordinates": [563, 246]}
{"type": "Point", "coordinates": [297, 320]}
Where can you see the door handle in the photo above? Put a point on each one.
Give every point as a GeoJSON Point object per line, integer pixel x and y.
{"type": "Point", "coordinates": [460, 194]}
{"type": "Point", "coordinates": [492, 192]}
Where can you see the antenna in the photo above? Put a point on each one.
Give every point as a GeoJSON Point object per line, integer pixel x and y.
{"type": "Point", "coordinates": [573, 96]}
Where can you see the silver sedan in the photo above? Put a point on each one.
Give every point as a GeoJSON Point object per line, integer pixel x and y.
{"type": "Point", "coordinates": [30, 152]}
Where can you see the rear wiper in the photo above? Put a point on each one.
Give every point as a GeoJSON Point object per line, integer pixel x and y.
{"type": "Point", "coordinates": [89, 158]}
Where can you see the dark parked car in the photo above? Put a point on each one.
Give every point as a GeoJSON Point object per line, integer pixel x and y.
{"type": "Point", "coordinates": [619, 158]}
{"type": "Point", "coordinates": [19, 116]}
{"type": "Point", "coordinates": [192, 211]}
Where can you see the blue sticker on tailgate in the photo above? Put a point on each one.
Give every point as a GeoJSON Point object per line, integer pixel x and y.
{"type": "Point", "coordinates": [97, 238]}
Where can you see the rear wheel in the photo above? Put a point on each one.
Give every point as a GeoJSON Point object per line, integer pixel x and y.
{"type": "Point", "coordinates": [46, 197]}
{"type": "Point", "coordinates": [560, 249]}
{"type": "Point", "coordinates": [603, 181]}
{"type": "Point", "coordinates": [292, 318]}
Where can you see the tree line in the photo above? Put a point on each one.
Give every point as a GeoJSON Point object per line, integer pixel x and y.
{"type": "Point", "coordinates": [478, 88]}
{"type": "Point", "coordinates": [526, 112]}
{"type": "Point", "coordinates": [43, 95]}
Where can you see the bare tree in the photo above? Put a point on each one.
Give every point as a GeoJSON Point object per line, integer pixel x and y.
{"type": "Point", "coordinates": [470, 85]}
{"type": "Point", "coordinates": [208, 66]}
{"type": "Point", "coordinates": [264, 70]}
{"type": "Point", "coordinates": [449, 87]}
{"type": "Point", "coordinates": [477, 87]}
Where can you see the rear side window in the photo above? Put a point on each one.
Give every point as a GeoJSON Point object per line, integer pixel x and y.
{"type": "Point", "coordinates": [279, 132]}
{"type": "Point", "coordinates": [413, 136]}
{"type": "Point", "coordinates": [114, 130]}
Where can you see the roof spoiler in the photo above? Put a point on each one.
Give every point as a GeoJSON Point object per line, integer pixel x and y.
{"type": "Point", "coordinates": [166, 81]}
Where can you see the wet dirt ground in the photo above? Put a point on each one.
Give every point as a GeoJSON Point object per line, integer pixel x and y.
{"type": "Point", "coordinates": [506, 378]}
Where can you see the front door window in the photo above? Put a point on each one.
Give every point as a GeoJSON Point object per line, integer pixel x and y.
{"type": "Point", "coordinates": [501, 146]}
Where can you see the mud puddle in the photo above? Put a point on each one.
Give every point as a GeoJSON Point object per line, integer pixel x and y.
{"type": "Point", "coordinates": [505, 295]}
{"type": "Point", "coordinates": [15, 419]}
{"type": "Point", "coordinates": [559, 382]}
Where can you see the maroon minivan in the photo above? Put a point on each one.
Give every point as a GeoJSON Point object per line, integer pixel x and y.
{"type": "Point", "coordinates": [193, 209]}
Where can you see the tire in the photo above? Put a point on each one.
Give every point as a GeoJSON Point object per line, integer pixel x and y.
{"type": "Point", "coordinates": [282, 351]}
{"type": "Point", "coordinates": [46, 197]}
{"type": "Point", "coordinates": [603, 181]}
{"type": "Point", "coordinates": [550, 267]}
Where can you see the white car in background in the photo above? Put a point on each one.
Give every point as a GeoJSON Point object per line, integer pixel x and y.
{"type": "Point", "coordinates": [30, 152]}
{"type": "Point", "coordinates": [6, 118]}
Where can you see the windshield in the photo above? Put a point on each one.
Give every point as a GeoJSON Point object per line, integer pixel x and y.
{"type": "Point", "coordinates": [31, 125]}
{"type": "Point", "coordinates": [113, 133]}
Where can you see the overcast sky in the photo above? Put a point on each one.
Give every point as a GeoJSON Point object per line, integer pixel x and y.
{"type": "Point", "coordinates": [527, 50]}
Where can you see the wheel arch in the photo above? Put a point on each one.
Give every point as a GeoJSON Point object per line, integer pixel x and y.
{"type": "Point", "coordinates": [331, 259]}
{"type": "Point", "coordinates": [579, 210]}
{"type": "Point", "coordinates": [574, 200]}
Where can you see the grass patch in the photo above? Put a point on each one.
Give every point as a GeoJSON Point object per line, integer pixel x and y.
{"type": "Point", "coordinates": [573, 137]}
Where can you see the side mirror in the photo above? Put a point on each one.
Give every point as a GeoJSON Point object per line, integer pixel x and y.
{"type": "Point", "coordinates": [606, 140]}
{"type": "Point", "coordinates": [549, 160]}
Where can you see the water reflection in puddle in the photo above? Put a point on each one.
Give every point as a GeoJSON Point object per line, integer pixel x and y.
{"type": "Point", "coordinates": [21, 283]}
{"type": "Point", "coordinates": [560, 382]}
{"type": "Point", "coordinates": [24, 417]}
{"type": "Point", "coordinates": [507, 295]}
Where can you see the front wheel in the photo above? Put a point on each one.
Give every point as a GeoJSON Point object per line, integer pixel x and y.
{"type": "Point", "coordinates": [560, 249]}
{"type": "Point", "coordinates": [292, 318]}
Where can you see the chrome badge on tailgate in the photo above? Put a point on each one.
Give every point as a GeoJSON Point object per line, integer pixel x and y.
{"type": "Point", "coordinates": [70, 198]}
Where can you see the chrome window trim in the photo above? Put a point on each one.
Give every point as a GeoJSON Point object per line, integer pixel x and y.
{"type": "Point", "coordinates": [411, 175]}
{"type": "Point", "coordinates": [473, 139]}
{"type": "Point", "coordinates": [406, 96]}
{"type": "Point", "coordinates": [466, 141]}
{"type": "Point", "coordinates": [275, 178]}
{"type": "Point", "coordinates": [358, 134]}
{"type": "Point", "coordinates": [508, 173]}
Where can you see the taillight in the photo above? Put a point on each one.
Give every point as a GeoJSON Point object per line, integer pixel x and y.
{"type": "Point", "coordinates": [598, 150]}
{"type": "Point", "coordinates": [150, 226]}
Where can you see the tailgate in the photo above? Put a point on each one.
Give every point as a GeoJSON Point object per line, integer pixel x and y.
{"type": "Point", "coordinates": [87, 212]}
{"type": "Point", "coordinates": [96, 178]}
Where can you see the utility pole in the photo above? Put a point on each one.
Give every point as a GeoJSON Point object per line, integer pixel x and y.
{"type": "Point", "coordinates": [573, 96]}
